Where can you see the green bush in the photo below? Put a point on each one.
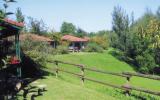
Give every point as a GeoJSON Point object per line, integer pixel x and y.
{"type": "Point", "coordinates": [102, 41]}
{"type": "Point", "coordinates": [39, 58]}
{"type": "Point", "coordinates": [93, 47]}
{"type": "Point", "coordinates": [62, 49]}
{"type": "Point", "coordinates": [37, 51]}
{"type": "Point", "coordinates": [145, 62]}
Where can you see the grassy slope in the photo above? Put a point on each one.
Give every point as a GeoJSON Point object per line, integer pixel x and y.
{"type": "Point", "coordinates": [102, 61]}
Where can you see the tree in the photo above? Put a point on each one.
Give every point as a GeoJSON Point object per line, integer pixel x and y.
{"type": "Point", "coordinates": [158, 12]}
{"type": "Point", "coordinates": [138, 42]}
{"type": "Point", "coordinates": [2, 13]}
{"type": "Point", "coordinates": [120, 26]}
{"type": "Point", "coordinates": [36, 26]}
{"type": "Point", "coordinates": [56, 36]}
{"type": "Point", "coordinates": [19, 15]}
{"type": "Point", "coordinates": [80, 32]}
{"type": "Point", "coordinates": [144, 43]}
{"type": "Point", "coordinates": [132, 18]}
{"type": "Point", "coordinates": [68, 28]}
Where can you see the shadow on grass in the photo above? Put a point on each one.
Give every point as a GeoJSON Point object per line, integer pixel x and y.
{"type": "Point", "coordinates": [31, 71]}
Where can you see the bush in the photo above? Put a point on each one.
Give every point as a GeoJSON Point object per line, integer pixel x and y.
{"type": "Point", "coordinates": [102, 41]}
{"type": "Point", "coordinates": [121, 56]}
{"type": "Point", "coordinates": [62, 49]}
{"type": "Point", "coordinates": [93, 47]}
{"type": "Point", "coordinates": [146, 62]}
{"type": "Point", "coordinates": [38, 57]}
{"type": "Point", "coordinates": [37, 51]}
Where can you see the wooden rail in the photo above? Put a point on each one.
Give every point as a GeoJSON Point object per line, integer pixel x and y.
{"type": "Point", "coordinates": [127, 87]}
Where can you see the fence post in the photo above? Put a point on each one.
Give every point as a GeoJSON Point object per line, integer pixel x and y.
{"type": "Point", "coordinates": [56, 62]}
{"type": "Point", "coordinates": [82, 74]}
{"type": "Point", "coordinates": [127, 86]}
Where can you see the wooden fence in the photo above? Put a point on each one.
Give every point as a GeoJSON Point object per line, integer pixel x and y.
{"type": "Point", "coordinates": [127, 87]}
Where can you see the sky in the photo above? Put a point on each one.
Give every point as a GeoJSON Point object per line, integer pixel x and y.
{"type": "Point", "coordinates": [90, 15]}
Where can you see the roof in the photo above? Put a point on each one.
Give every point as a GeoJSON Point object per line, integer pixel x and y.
{"type": "Point", "coordinates": [20, 24]}
{"type": "Point", "coordinates": [34, 37]}
{"type": "Point", "coordinates": [9, 27]}
{"type": "Point", "coordinates": [73, 38]}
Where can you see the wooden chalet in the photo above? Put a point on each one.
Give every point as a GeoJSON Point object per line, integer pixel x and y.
{"type": "Point", "coordinates": [10, 58]}
{"type": "Point", "coordinates": [75, 43]}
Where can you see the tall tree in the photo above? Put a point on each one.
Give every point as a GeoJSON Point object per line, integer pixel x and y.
{"type": "Point", "coordinates": [68, 28]}
{"type": "Point", "coordinates": [120, 26]}
{"type": "Point", "coordinates": [19, 15]}
{"type": "Point", "coordinates": [132, 18]}
{"type": "Point", "coordinates": [37, 26]}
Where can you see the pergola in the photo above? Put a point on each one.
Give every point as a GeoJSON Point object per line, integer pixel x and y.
{"type": "Point", "coordinates": [12, 28]}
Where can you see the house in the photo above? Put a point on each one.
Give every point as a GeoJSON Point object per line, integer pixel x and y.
{"type": "Point", "coordinates": [12, 66]}
{"type": "Point", "coordinates": [38, 38]}
{"type": "Point", "coordinates": [75, 43]}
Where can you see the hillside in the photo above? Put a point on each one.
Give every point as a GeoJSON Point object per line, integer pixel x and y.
{"type": "Point", "coordinates": [103, 61]}
{"type": "Point", "coordinates": [69, 87]}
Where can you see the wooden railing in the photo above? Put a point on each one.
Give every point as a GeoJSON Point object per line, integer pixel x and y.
{"type": "Point", "coordinates": [127, 87]}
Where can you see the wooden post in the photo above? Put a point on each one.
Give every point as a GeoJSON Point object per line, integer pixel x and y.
{"type": "Point", "coordinates": [82, 74]}
{"type": "Point", "coordinates": [127, 86]}
{"type": "Point", "coordinates": [56, 62]}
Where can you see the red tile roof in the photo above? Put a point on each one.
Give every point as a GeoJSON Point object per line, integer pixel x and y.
{"type": "Point", "coordinates": [35, 37]}
{"type": "Point", "coordinates": [73, 38]}
{"type": "Point", "coordinates": [14, 22]}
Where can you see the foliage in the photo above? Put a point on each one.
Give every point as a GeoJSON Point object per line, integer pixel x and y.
{"type": "Point", "coordinates": [91, 34]}
{"type": "Point", "coordinates": [68, 28]}
{"type": "Point", "coordinates": [62, 49]}
{"type": "Point", "coordinates": [56, 36]}
{"type": "Point", "coordinates": [37, 27]}
{"type": "Point", "coordinates": [146, 62]}
{"type": "Point", "coordinates": [139, 42]}
{"type": "Point", "coordinates": [38, 51]}
{"type": "Point", "coordinates": [93, 47]}
{"type": "Point", "coordinates": [19, 15]}
{"type": "Point", "coordinates": [80, 33]}
{"type": "Point", "coordinates": [2, 13]}
{"type": "Point", "coordinates": [120, 26]}
{"type": "Point", "coordinates": [5, 5]}
{"type": "Point", "coordinates": [102, 41]}
{"type": "Point", "coordinates": [113, 39]}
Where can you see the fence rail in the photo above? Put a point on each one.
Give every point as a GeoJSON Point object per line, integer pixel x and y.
{"type": "Point", "coordinates": [127, 87]}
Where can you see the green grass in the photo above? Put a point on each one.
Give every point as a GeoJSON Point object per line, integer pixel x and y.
{"type": "Point", "coordinates": [103, 61]}
{"type": "Point", "coordinates": [61, 90]}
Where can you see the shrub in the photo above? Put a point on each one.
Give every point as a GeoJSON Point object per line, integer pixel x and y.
{"type": "Point", "coordinates": [146, 62]}
{"type": "Point", "coordinates": [93, 47]}
{"type": "Point", "coordinates": [62, 49]}
{"type": "Point", "coordinates": [102, 41]}
{"type": "Point", "coordinates": [37, 51]}
{"type": "Point", "coordinates": [38, 57]}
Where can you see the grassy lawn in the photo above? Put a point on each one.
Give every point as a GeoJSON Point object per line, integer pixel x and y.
{"type": "Point", "coordinates": [69, 87]}
{"type": "Point", "coordinates": [103, 61]}
{"type": "Point", "coordinates": [62, 90]}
